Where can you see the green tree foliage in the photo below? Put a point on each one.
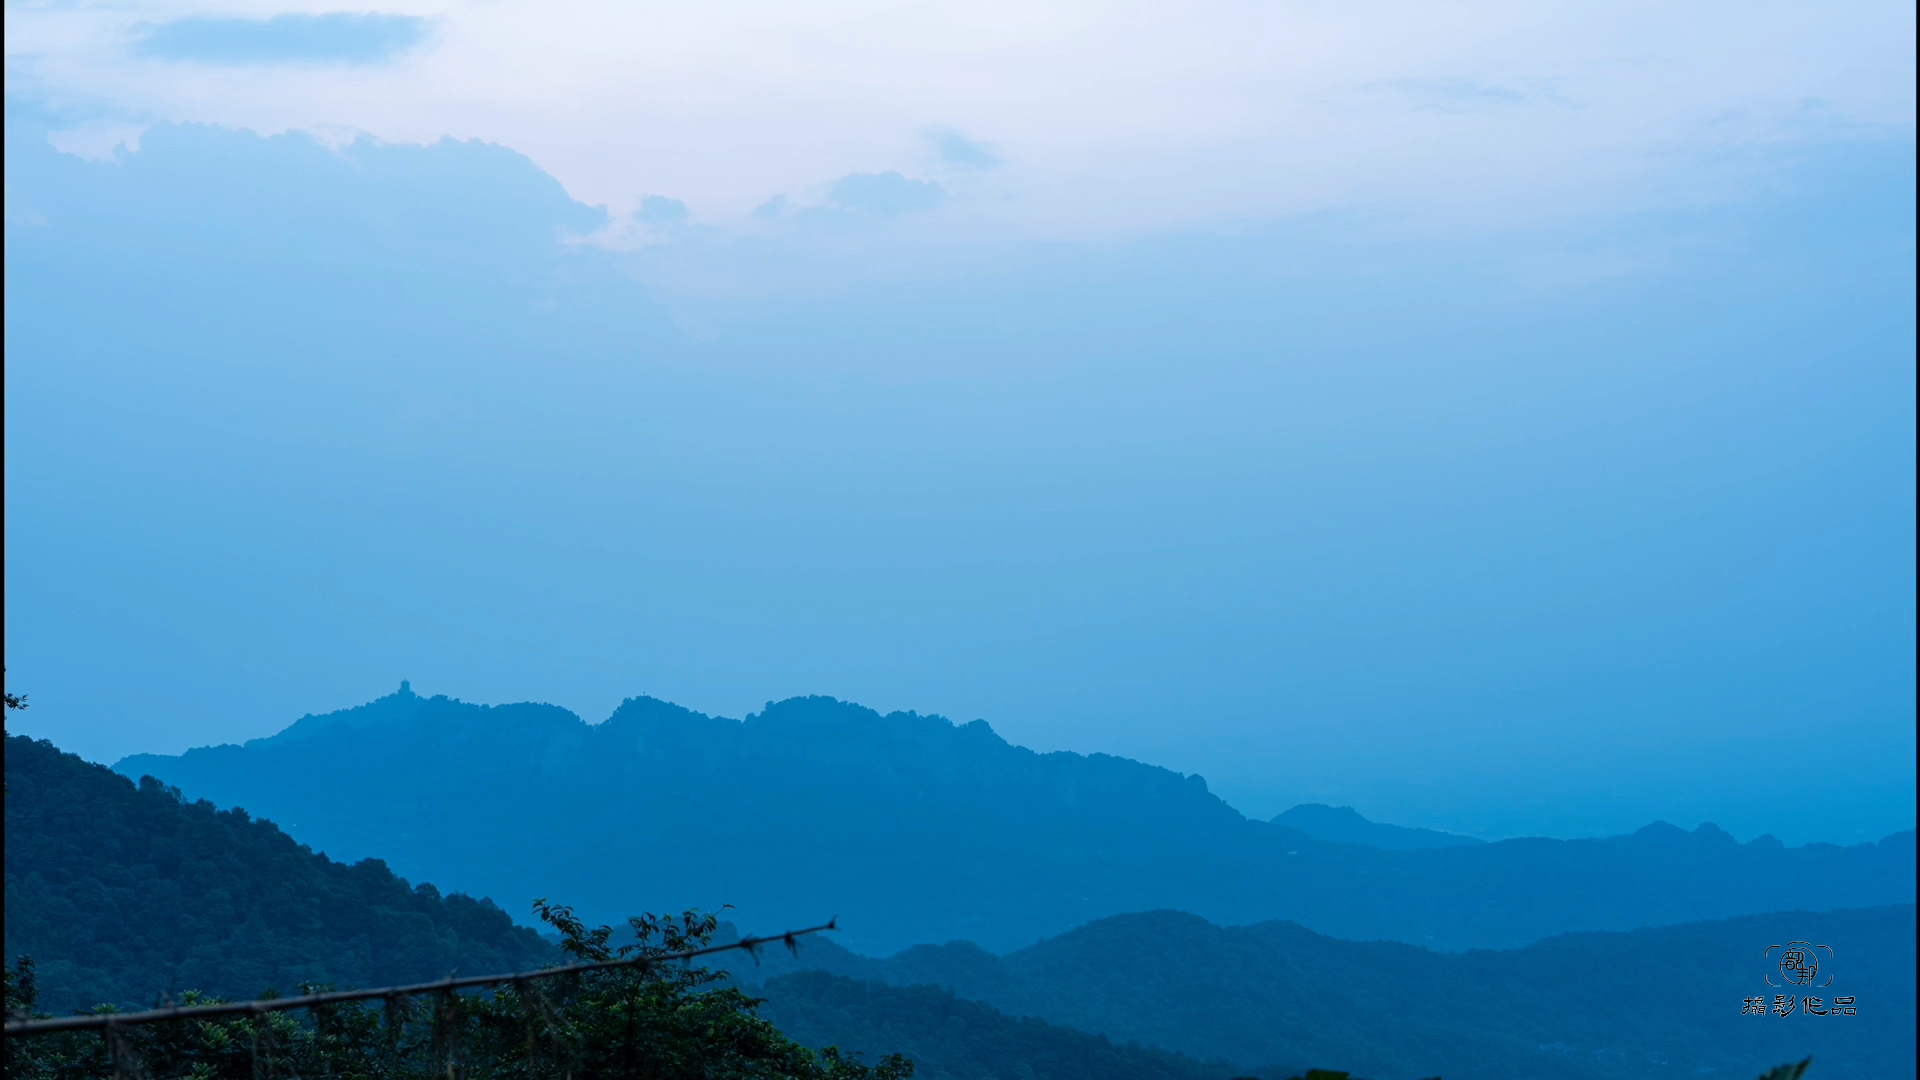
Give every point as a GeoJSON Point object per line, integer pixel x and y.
{"type": "Point", "coordinates": [14, 701]}
{"type": "Point", "coordinates": [667, 1020]}
{"type": "Point", "coordinates": [124, 894]}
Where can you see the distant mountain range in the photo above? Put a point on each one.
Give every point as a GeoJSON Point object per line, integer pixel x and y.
{"type": "Point", "coordinates": [913, 829]}
{"type": "Point", "coordinates": [1344, 825]}
{"type": "Point", "coordinates": [1641, 1005]}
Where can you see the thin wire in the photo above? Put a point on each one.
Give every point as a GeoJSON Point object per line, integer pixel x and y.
{"type": "Point", "coordinates": [16, 1028]}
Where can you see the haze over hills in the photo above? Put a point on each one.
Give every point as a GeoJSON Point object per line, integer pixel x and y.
{"type": "Point", "coordinates": [1660, 1002]}
{"type": "Point", "coordinates": [914, 829]}
{"type": "Point", "coordinates": [125, 893]}
{"type": "Point", "coordinates": [128, 895]}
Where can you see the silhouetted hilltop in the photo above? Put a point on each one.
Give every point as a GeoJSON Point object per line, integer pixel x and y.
{"type": "Point", "coordinates": [121, 894]}
{"type": "Point", "coordinates": [950, 1038]}
{"type": "Point", "coordinates": [1344, 825]}
{"type": "Point", "coordinates": [1660, 1002]}
{"type": "Point", "coordinates": [912, 828]}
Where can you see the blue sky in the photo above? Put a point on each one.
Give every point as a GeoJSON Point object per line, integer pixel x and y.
{"type": "Point", "coordinates": [1504, 426]}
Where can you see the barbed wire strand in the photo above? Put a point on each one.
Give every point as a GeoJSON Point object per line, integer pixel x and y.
{"type": "Point", "coordinates": [105, 1021]}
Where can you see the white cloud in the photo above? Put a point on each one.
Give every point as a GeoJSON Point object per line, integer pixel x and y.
{"type": "Point", "coordinates": [98, 140]}
{"type": "Point", "coordinates": [1107, 117]}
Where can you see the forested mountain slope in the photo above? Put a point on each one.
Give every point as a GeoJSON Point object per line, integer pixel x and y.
{"type": "Point", "coordinates": [913, 829]}
{"type": "Point", "coordinates": [121, 894]}
{"type": "Point", "coordinates": [1640, 1005]}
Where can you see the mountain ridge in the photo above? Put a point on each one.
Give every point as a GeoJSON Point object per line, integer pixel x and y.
{"type": "Point", "coordinates": [1344, 825]}
{"type": "Point", "coordinates": [1318, 821]}
{"type": "Point", "coordinates": [914, 828]}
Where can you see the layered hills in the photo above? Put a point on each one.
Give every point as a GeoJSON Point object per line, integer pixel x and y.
{"type": "Point", "coordinates": [1636, 1005]}
{"type": "Point", "coordinates": [912, 828]}
{"type": "Point", "coordinates": [126, 894]}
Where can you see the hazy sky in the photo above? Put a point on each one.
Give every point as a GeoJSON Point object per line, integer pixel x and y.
{"type": "Point", "coordinates": [1498, 417]}
{"type": "Point", "coordinates": [1092, 118]}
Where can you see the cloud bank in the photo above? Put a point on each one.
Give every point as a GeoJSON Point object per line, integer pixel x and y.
{"type": "Point", "coordinates": [1078, 119]}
